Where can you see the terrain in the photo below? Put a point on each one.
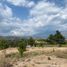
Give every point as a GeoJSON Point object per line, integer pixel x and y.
{"type": "Point", "coordinates": [36, 57]}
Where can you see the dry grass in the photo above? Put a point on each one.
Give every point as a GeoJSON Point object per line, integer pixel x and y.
{"type": "Point", "coordinates": [35, 57]}
{"type": "Point", "coordinates": [4, 62]}
{"type": "Point", "coordinates": [58, 52]}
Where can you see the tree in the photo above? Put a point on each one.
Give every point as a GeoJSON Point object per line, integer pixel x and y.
{"type": "Point", "coordinates": [22, 47]}
{"type": "Point", "coordinates": [59, 38]}
{"type": "Point", "coordinates": [50, 39]}
{"type": "Point", "coordinates": [31, 41]}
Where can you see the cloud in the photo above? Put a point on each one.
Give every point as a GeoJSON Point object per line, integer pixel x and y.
{"type": "Point", "coordinates": [47, 16]}
{"type": "Point", "coordinates": [24, 3]}
{"type": "Point", "coordinates": [45, 8]}
{"type": "Point", "coordinates": [5, 11]}
{"type": "Point", "coordinates": [44, 12]}
{"type": "Point", "coordinates": [44, 16]}
{"type": "Point", "coordinates": [10, 25]}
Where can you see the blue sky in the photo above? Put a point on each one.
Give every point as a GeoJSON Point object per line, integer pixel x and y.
{"type": "Point", "coordinates": [32, 17]}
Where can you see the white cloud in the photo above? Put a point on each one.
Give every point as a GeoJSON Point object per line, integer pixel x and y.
{"type": "Point", "coordinates": [44, 8]}
{"type": "Point", "coordinates": [5, 11]}
{"type": "Point", "coordinates": [49, 15]}
{"type": "Point", "coordinates": [24, 3]}
{"type": "Point", "coordinates": [44, 12]}
{"type": "Point", "coordinates": [63, 13]}
{"type": "Point", "coordinates": [43, 16]}
{"type": "Point", "coordinates": [18, 2]}
{"type": "Point", "coordinates": [30, 4]}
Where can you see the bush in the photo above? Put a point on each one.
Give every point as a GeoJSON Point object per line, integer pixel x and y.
{"type": "Point", "coordinates": [22, 47]}
{"type": "Point", "coordinates": [31, 41]}
{"type": "Point", "coordinates": [3, 44]}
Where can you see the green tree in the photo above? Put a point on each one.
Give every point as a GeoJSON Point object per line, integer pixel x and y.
{"type": "Point", "coordinates": [50, 39]}
{"type": "Point", "coordinates": [31, 41]}
{"type": "Point", "coordinates": [59, 38]}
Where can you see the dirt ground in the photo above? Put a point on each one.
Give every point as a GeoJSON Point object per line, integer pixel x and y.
{"type": "Point", "coordinates": [43, 57]}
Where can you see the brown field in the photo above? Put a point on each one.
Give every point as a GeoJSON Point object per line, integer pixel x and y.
{"type": "Point", "coordinates": [35, 57]}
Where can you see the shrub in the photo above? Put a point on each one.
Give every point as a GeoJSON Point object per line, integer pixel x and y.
{"type": "Point", "coordinates": [31, 41]}
{"type": "Point", "coordinates": [3, 44]}
{"type": "Point", "coordinates": [22, 47]}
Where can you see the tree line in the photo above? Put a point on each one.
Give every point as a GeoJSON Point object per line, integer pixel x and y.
{"type": "Point", "coordinates": [56, 38]}
{"type": "Point", "coordinates": [22, 43]}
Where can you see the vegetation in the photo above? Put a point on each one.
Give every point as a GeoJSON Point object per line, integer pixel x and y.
{"type": "Point", "coordinates": [3, 44]}
{"type": "Point", "coordinates": [57, 38]}
{"type": "Point", "coordinates": [31, 41]}
{"type": "Point", "coordinates": [22, 47]}
{"type": "Point", "coordinates": [21, 44]}
{"type": "Point", "coordinates": [4, 62]}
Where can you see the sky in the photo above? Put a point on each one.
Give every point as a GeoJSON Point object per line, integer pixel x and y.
{"type": "Point", "coordinates": [37, 18]}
